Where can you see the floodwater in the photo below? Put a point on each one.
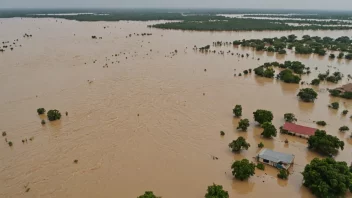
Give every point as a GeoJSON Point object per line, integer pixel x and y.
{"type": "Point", "coordinates": [143, 123]}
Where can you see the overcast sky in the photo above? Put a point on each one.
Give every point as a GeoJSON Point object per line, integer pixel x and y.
{"type": "Point", "coordinates": [267, 4]}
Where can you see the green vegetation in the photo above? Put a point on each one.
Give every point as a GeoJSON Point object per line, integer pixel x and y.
{"type": "Point", "coordinates": [307, 94]}
{"type": "Point", "coordinates": [239, 144]}
{"type": "Point", "coordinates": [237, 111]}
{"type": "Point", "coordinates": [4, 133]}
{"type": "Point", "coordinates": [327, 178]}
{"type": "Point", "coordinates": [266, 72]}
{"type": "Point", "coordinates": [335, 77]}
{"type": "Point", "coordinates": [306, 45]}
{"type": "Point", "coordinates": [334, 105]}
{"type": "Point", "coordinates": [324, 143]}
{"type": "Point", "coordinates": [345, 112]}
{"type": "Point", "coordinates": [344, 128]}
{"type": "Point", "coordinates": [283, 174]}
{"type": "Point", "coordinates": [243, 124]}
{"type": "Point", "coordinates": [288, 77]}
{"type": "Point", "coordinates": [269, 130]}
{"type": "Point", "coordinates": [290, 117]}
{"type": "Point", "coordinates": [262, 116]}
{"type": "Point", "coordinates": [243, 169]}
{"type": "Point", "coordinates": [54, 115]}
{"type": "Point", "coordinates": [315, 82]}
{"type": "Point", "coordinates": [337, 93]}
{"type": "Point", "coordinates": [43, 122]}
{"type": "Point", "coordinates": [216, 191]}
{"type": "Point", "coordinates": [10, 143]}
{"type": "Point", "coordinates": [260, 166]}
{"type": "Point", "coordinates": [321, 123]}
{"type": "Point", "coordinates": [40, 111]}
{"type": "Point", "coordinates": [222, 133]}
{"type": "Point", "coordinates": [148, 194]}
{"type": "Point", "coordinates": [260, 145]}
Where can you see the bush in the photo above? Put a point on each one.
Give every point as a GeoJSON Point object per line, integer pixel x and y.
{"type": "Point", "coordinates": [260, 145]}
{"type": "Point", "coordinates": [243, 124]}
{"type": "Point", "coordinates": [334, 92]}
{"type": "Point", "coordinates": [334, 105]}
{"type": "Point", "coordinates": [260, 166]}
{"type": "Point", "coordinates": [54, 115]}
{"type": "Point", "coordinates": [10, 143]}
{"type": "Point", "coordinates": [283, 174]}
{"type": "Point", "coordinates": [40, 111]}
{"type": "Point", "coordinates": [321, 123]}
{"type": "Point", "coordinates": [148, 194]}
{"type": "Point", "coordinates": [4, 133]}
{"type": "Point", "coordinates": [288, 77]}
{"type": "Point", "coordinates": [245, 71]}
{"type": "Point", "coordinates": [343, 128]}
{"type": "Point", "coordinates": [344, 112]}
{"type": "Point", "coordinates": [43, 122]}
{"type": "Point", "coordinates": [222, 133]}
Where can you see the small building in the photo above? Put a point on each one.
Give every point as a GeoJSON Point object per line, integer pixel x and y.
{"type": "Point", "coordinates": [275, 159]}
{"type": "Point", "coordinates": [345, 88]}
{"type": "Point", "coordinates": [297, 130]}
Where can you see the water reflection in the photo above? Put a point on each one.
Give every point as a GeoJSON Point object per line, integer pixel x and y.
{"type": "Point", "coordinates": [242, 187]}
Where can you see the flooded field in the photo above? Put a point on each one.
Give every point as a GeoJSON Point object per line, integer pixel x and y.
{"type": "Point", "coordinates": [150, 119]}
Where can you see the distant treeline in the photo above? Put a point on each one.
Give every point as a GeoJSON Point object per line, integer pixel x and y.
{"type": "Point", "coordinates": [186, 19]}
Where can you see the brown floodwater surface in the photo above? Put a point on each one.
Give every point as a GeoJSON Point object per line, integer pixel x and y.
{"type": "Point", "coordinates": [143, 123]}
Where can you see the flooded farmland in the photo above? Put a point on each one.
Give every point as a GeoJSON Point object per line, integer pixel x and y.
{"type": "Point", "coordinates": [142, 117]}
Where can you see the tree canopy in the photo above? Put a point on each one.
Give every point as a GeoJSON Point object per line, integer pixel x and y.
{"type": "Point", "coordinates": [216, 191]}
{"type": "Point", "coordinates": [239, 144]}
{"type": "Point", "coordinates": [262, 116]}
{"type": "Point", "coordinates": [324, 143]}
{"type": "Point", "coordinates": [237, 111]}
{"type": "Point", "coordinates": [54, 115]}
{"type": "Point", "coordinates": [243, 169]}
{"type": "Point", "coordinates": [307, 95]}
{"type": "Point", "coordinates": [148, 194]}
{"type": "Point", "coordinates": [40, 111]}
{"type": "Point", "coordinates": [290, 117]}
{"type": "Point", "coordinates": [269, 130]}
{"type": "Point", "coordinates": [327, 178]}
{"type": "Point", "coordinates": [243, 124]}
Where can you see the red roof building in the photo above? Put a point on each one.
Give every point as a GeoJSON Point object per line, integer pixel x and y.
{"type": "Point", "coordinates": [299, 129]}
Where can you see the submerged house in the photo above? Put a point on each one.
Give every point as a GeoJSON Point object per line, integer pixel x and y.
{"type": "Point", "coordinates": [297, 130]}
{"type": "Point", "coordinates": [276, 159]}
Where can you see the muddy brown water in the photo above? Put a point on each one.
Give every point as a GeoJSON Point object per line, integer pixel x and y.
{"type": "Point", "coordinates": [168, 147]}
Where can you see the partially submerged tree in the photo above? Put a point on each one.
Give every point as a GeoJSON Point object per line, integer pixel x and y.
{"type": "Point", "coordinates": [222, 133]}
{"type": "Point", "coordinates": [334, 105]}
{"type": "Point", "coordinates": [243, 124]}
{"type": "Point", "coordinates": [315, 82]}
{"type": "Point", "coordinates": [324, 143]}
{"type": "Point", "coordinates": [239, 144]}
{"type": "Point", "coordinates": [260, 166]}
{"type": "Point", "coordinates": [40, 111]}
{"type": "Point", "coordinates": [321, 123]}
{"type": "Point", "coordinates": [327, 178]}
{"type": "Point", "coordinates": [260, 145]}
{"type": "Point", "coordinates": [344, 128]}
{"type": "Point", "coordinates": [283, 174]}
{"type": "Point", "coordinates": [307, 95]}
{"type": "Point", "coordinates": [216, 191]}
{"type": "Point", "coordinates": [345, 112]}
{"type": "Point", "coordinates": [243, 169]}
{"type": "Point", "coordinates": [237, 111]}
{"type": "Point", "coordinates": [54, 115]}
{"type": "Point", "coordinates": [269, 130]}
{"type": "Point", "coordinates": [148, 194]}
{"type": "Point", "coordinates": [290, 117]}
{"type": "Point", "coordinates": [262, 116]}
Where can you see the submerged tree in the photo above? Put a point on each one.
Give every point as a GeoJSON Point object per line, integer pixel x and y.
{"type": "Point", "coordinates": [243, 169]}
{"type": "Point", "coordinates": [54, 115]}
{"type": "Point", "coordinates": [239, 144]}
{"type": "Point", "coordinates": [327, 178]}
{"type": "Point", "coordinates": [307, 95]}
{"type": "Point", "coordinates": [40, 111]}
{"type": "Point", "coordinates": [262, 116]}
{"type": "Point", "coordinates": [334, 105]}
{"type": "Point", "coordinates": [344, 128]}
{"type": "Point", "coordinates": [216, 191]}
{"type": "Point", "coordinates": [148, 194]}
{"type": "Point", "coordinates": [324, 143]}
{"type": "Point", "coordinates": [269, 130]}
{"type": "Point", "coordinates": [243, 124]}
{"type": "Point", "coordinates": [283, 174]}
{"type": "Point", "coordinates": [321, 123]}
{"type": "Point", "coordinates": [237, 111]}
{"type": "Point", "coordinates": [290, 117]}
